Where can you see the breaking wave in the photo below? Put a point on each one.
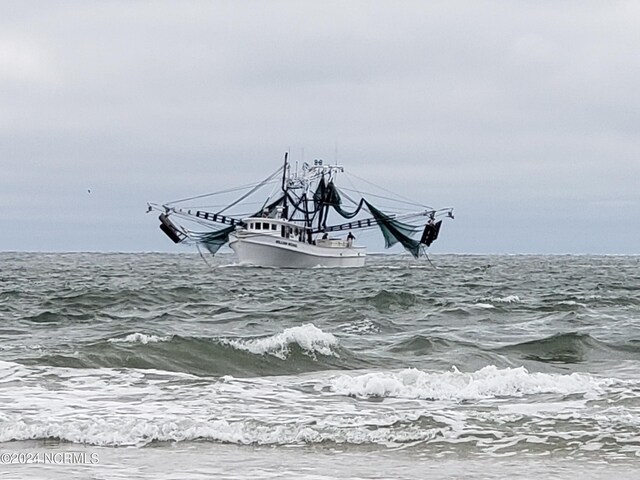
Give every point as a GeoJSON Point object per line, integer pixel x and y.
{"type": "Point", "coordinates": [301, 348]}
{"type": "Point", "coordinates": [308, 338]}
{"type": "Point", "coordinates": [507, 299]}
{"type": "Point", "coordinates": [307, 348]}
{"type": "Point", "coordinates": [488, 382]}
{"type": "Point", "coordinates": [140, 432]}
{"type": "Point", "coordinates": [139, 338]}
{"type": "Point", "coordinates": [453, 407]}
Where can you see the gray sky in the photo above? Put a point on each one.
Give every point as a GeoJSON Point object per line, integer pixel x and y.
{"type": "Point", "coordinates": [524, 116]}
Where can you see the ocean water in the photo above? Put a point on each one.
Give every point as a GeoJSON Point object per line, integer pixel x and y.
{"type": "Point", "coordinates": [164, 366]}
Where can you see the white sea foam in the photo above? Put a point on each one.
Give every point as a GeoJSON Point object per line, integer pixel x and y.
{"type": "Point", "coordinates": [484, 305]}
{"type": "Point", "coordinates": [308, 337]}
{"type": "Point", "coordinates": [489, 382]}
{"type": "Point", "coordinates": [572, 303]}
{"type": "Point", "coordinates": [507, 299]}
{"type": "Point", "coordinates": [9, 347]}
{"type": "Point", "coordinates": [140, 432]}
{"type": "Point", "coordinates": [130, 407]}
{"type": "Point", "coordinates": [139, 338]}
{"type": "Point", "coordinates": [360, 327]}
{"type": "Point", "coordinates": [9, 370]}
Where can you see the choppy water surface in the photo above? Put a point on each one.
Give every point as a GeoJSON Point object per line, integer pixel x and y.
{"type": "Point", "coordinates": [498, 366]}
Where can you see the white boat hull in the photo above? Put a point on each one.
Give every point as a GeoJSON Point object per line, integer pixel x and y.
{"type": "Point", "coordinates": [273, 251]}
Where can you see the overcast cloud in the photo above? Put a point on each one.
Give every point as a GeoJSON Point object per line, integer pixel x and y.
{"type": "Point", "coordinates": [524, 116]}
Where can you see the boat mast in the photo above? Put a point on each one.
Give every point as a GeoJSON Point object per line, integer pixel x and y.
{"type": "Point", "coordinates": [285, 207]}
{"type": "Point", "coordinates": [321, 202]}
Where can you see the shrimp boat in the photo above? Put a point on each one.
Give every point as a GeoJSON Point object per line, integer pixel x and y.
{"type": "Point", "coordinates": [305, 221]}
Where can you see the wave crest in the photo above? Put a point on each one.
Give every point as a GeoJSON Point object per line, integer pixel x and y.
{"type": "Point", "coordinates": [309, 338]}
{"type": "Point", "coordinates": [139, 338]}
{"type": "Point", "coordinates": [572, 347]}
{"type": "Point", "coordinates": [506, 299]}
{"type": "Point", "coordinates": [386, 299]}
{"type": "Point", "coordinates": [487, 382]}
{"type": "Point", "coordinates": [141, 432]}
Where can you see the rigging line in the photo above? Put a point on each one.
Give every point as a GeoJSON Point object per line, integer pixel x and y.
{"type": "Point", "coordinates": [415, 204]}
{"type": "Point", "coordinates": [260, 185]}
{"type": "Point", "coordinates": [384, 189]}
{"type": "Point", "coordinates": [266, 202]}
{"type": "Point", "coordinates": [364, 207]}
{"type": "Point", "coordinates": [204, 207]}
{"type": "Point", "coordinates": [407, 214]}
{"type": "Point", "coordinates": [354, 189]}
{"type": "Point", "coordinates": [386, 207]}
{"type": "Point", "coordinates": [341, 190]}
{"type": "Point", "coordinates": [297, 208]}
{"type": "Point", "coordinates": [424, 251]}
{"type": "Point", "coordinates": [388, 191]}
{"type": "Point", "coordinates": [394, 208]}
{"type": "Point", "coordinates": [202, 256]}
{"type": "Point", "coordinates": [229, 190]}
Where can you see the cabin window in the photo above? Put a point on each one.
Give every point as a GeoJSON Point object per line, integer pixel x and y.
{"type": "Point", "coordinates": [265, 226]}
{"type": "Point", "coordinates": [274, 226]}
{"type": "Point", "coordinates": [251, 226]}
{"type": "Point", "coordinates": [258, 226]}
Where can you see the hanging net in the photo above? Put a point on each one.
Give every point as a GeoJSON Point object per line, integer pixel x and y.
{"type": "Point", "coordinates": [212, 241]}
{"type": "Point", "coordinates": [395, 231]}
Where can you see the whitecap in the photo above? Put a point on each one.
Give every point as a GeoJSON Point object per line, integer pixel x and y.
{"type": "Point", "coordinates": [141, 431]}
{"type": "Point", "coordinates": [507, 299]}
{"type": "Point", "coordinates": [488, 382]}
{"type": "Point", "coordinates": [572, 303]}
{"type": "Point", "coordinates": [308, 337]}
{"type": "Point", "coordinates": [139, 338]}
{"type": "Point", "coordinates": [484, 305]}
{"type": "Point", "coordinates": [360, 327]}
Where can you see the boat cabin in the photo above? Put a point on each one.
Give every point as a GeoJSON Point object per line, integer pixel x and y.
{"type": "Point", "coordinates": [276, 227]}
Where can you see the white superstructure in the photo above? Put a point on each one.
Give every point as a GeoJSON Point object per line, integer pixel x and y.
{"type": "Point", "coordinates": [269, 242]}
